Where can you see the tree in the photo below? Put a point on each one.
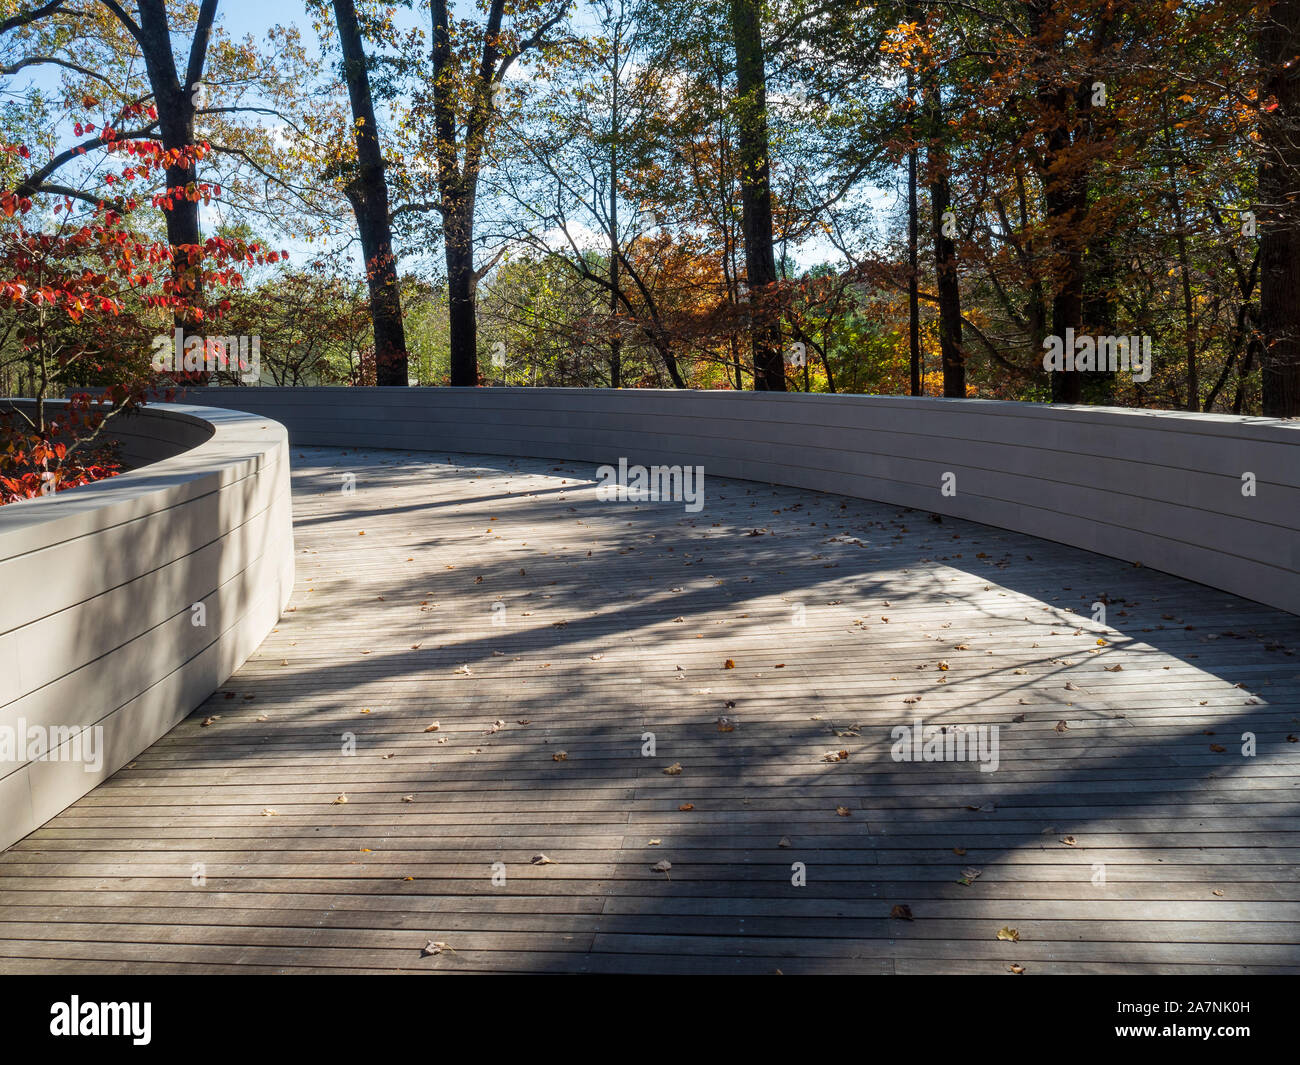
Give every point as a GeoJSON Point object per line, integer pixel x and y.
{"type": "Point", "coordinates": [367, 191]}
{"type": "Point", "coordinates": [755, 191]}
{"type": "Point", "coordinates": [1279, 196]}
{"type": "Point", "coordinates": [127, 66]}
{"type": "Point", "coordinates": [467, 70]}
{"type": "Point", "coordinates": [78, 292]}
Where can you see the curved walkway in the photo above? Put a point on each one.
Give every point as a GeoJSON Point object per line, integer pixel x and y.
{"type": "Point", "coordinates": [306, 818]}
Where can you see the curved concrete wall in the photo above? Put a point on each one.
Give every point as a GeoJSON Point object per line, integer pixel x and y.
{"type": "Point", "coordinates": [1158, 487]}
{"type": "Point", "coordinates": [97, 621]}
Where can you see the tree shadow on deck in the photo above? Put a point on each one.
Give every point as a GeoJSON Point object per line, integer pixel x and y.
{"type": "Point", "coordinates": [1133, 751]}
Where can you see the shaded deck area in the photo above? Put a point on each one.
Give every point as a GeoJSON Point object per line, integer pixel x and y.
{"type": "Point", "coordinates": [307, 819]}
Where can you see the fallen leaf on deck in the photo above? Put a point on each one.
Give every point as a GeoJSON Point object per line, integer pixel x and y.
{"type": "Point", "coordinates": [542, 859]}
{"type": "Point", "coordinates": [674, 770]}
{"type": "Point", "coordinates": [687, 807]}
{"type": "Point", "coordinates": [560, 756]}
{"type": "Point", "coordinates": [661, 866]}
{"type": "Point", "coordinates": [901, 912]}
{"type": "Point", "coordinates": [1011, 935]}
{"type": "Point", "coordinates": [339, 800]}
{"type": "Point", "coordinates": [730, 663]}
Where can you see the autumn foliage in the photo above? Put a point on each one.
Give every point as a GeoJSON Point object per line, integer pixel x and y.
{"type": "Point", "coordinates": [81, 291]}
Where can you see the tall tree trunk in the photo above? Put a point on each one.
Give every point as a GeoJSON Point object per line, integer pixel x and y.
{"type": "Point", "coordinates": [1099, 313]}
{"type": "Point", "coordinates": [458, 227]}
{"type": "Point", "coordinates": [1279, 179]}
{"type": "Point", "coordinates": [367, 191]}
{"type": "Point", "coordinates": [947, 283]}
{"type": "Point", "coordinates": [175, 103]}
{"type": "Point", "coordinates": [913, 282]}
{"type": "Point", "coordinates": [457, 180]}
{"type": "Point", "coordinates": [1064, 194]}
{"type": "Point", "coordinates": [616, 342]}
{"type": "Point", "coordinates": [756, 193]}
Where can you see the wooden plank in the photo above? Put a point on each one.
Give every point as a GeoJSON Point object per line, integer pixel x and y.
{"type": "Point", "coordinates": [1200, 848]}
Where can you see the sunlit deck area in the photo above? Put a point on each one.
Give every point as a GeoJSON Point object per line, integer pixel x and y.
{"type": "Point", "coordinates": [309, 817]}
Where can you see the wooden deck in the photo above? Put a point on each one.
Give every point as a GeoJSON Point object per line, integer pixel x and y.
{"type": "Point", "coordinates": [618, 620]}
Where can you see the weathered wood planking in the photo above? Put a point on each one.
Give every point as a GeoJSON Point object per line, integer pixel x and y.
{"type": "Point", "coordinates": [618, 620]}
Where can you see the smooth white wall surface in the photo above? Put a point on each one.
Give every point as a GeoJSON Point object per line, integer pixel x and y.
{"type": "Point", "coordinates": [97, 586]}
{"type": "Point", "coordinates": [1161, 488]}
